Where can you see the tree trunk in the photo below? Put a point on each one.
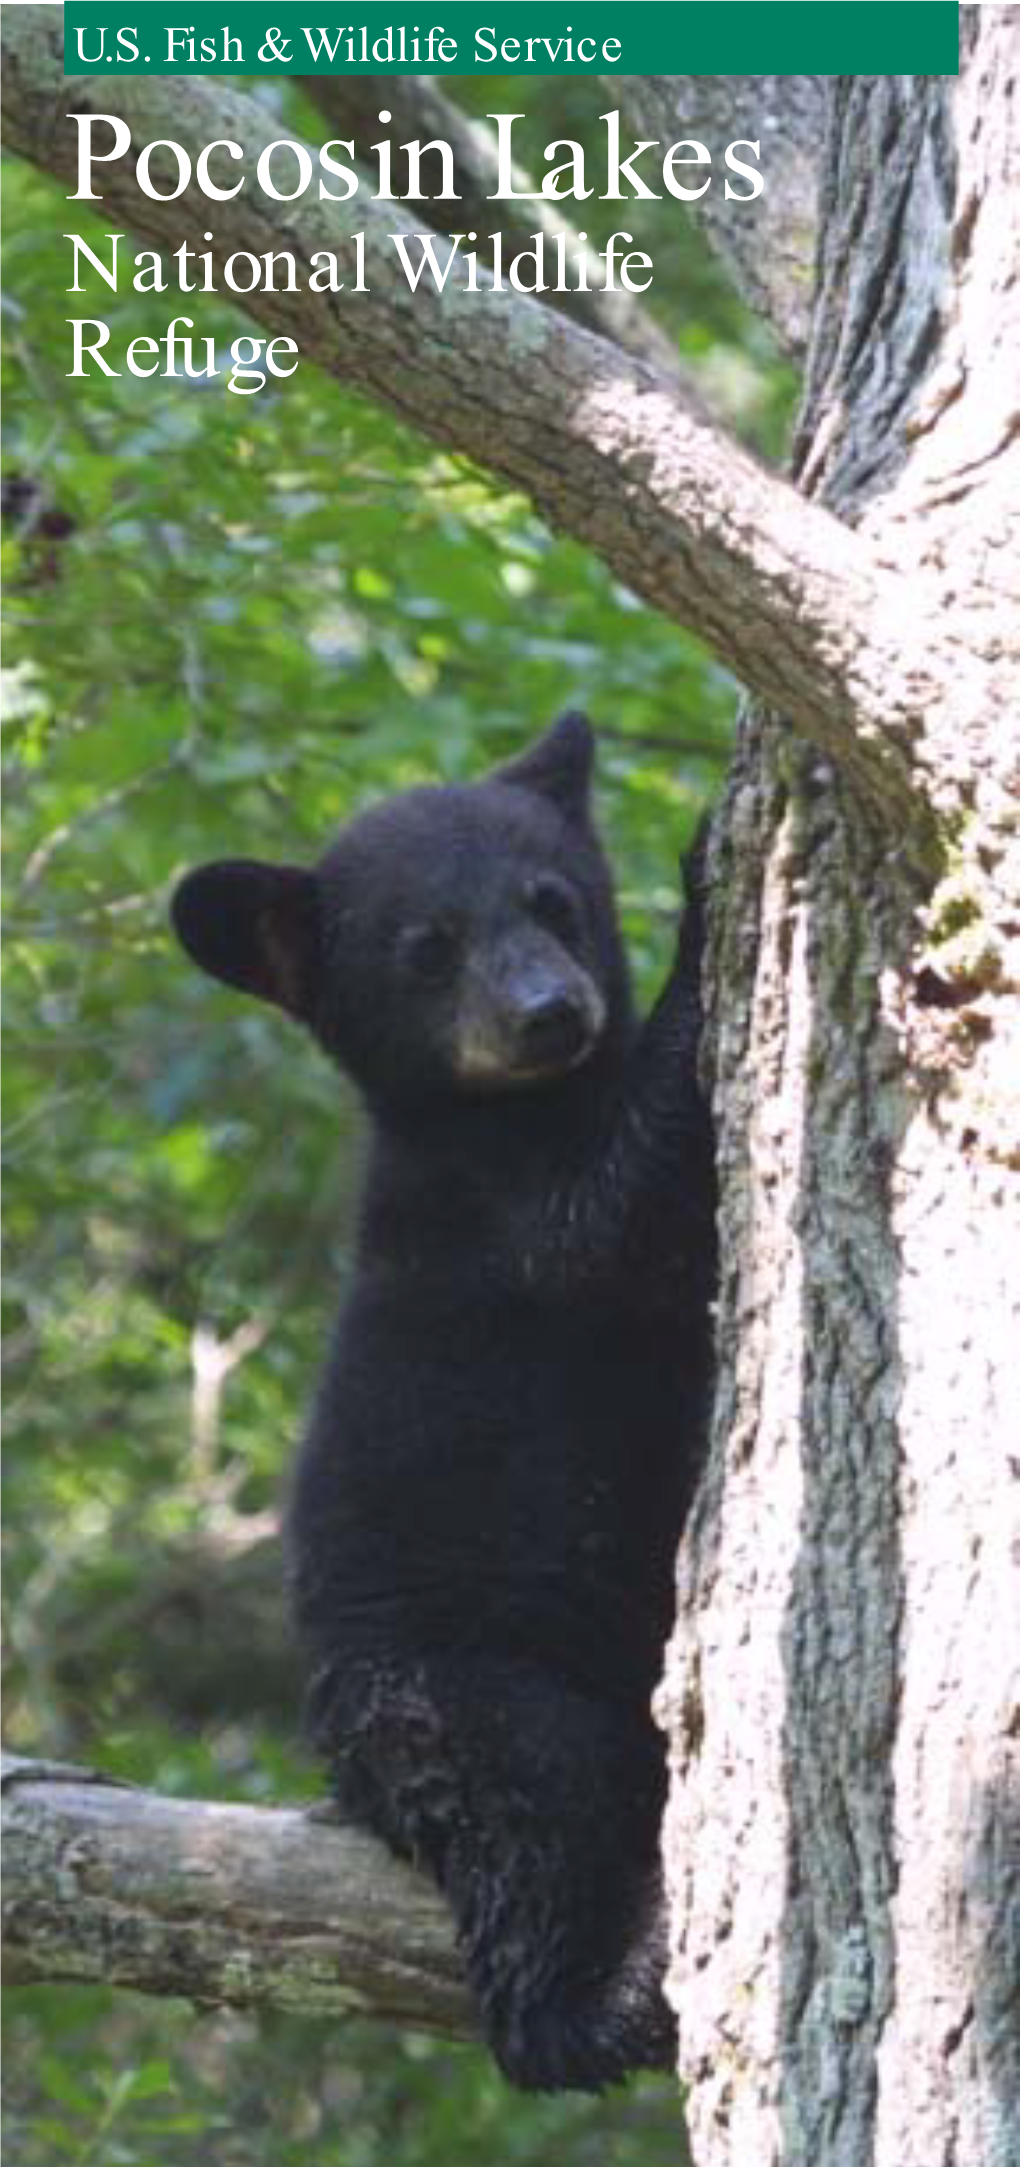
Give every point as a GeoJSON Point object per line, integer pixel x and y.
{"type": "Point", "coordinates": [843, 1836]}
{"type": "Point", "coordinates": [842, 1841]}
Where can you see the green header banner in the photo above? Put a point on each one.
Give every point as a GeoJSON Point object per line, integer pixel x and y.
{"type": "Point", "coordinates": [536, 37]}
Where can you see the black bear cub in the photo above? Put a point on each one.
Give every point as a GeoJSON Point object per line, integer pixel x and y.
{"type": "Point", "coordinates": [507, 1433]}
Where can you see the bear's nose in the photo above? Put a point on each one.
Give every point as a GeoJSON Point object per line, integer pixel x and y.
{"type": "Point", "coordinates": [552, 1025]}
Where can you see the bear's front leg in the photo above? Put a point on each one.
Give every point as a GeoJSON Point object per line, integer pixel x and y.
{"type": "Point", "coordinates": [645, 1201]}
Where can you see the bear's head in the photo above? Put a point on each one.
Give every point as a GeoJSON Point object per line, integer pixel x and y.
{"type": "Point", "coordinates": [458, 938]}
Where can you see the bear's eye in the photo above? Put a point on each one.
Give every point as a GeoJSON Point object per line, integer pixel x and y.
{"type": "Point", "coordinates": [554, 905]}
{"type": "Point", "coordinates": [429, 951]}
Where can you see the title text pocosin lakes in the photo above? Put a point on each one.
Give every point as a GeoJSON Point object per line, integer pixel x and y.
{"type": "Point", "coordinates": [388, 246]}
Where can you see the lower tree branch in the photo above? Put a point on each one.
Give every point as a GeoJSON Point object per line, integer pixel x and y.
{"type": "Point", "coordinates": [224, 1904]}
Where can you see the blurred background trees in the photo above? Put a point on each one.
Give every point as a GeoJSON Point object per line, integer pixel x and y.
{"type": "Point", "coordinates": [230, 623]}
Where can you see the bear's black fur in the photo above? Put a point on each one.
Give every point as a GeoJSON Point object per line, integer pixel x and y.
{"type": "Point", "coordinates": [506, 1437]}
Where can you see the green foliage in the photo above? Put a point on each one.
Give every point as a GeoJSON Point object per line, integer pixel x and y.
{"type": "Point", "coordinates": [231, 622]}
{"type": "Point", "coordinates": [130, 2086]}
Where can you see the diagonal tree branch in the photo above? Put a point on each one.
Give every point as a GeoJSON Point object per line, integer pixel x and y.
{"type": "Point", "coordinates": [768, 248]}
{"type": "Point", "coordinates": [225, 1904]}
{"type": "Point", "coordinates": [420, 109]}
{"type": "Point", "coordinates": [791, 600]}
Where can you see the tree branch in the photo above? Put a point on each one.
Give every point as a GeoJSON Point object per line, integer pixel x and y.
{"type": "Point", "coordinates": [769, 248]}
{"type": "Point", "coordinates": [223, 1904]}
{"type": "Point", "coordinates": [418, 108]}
{"type": "Point", "coordinates": [790, 598]}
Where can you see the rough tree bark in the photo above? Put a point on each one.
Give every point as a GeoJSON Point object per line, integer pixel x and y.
{"type": "Point", "coordinates": [843, 1834]}
{"type": "Point", "coordinates": [840, 1694]}
{"type": "Point", "coordinates": [769, 257]}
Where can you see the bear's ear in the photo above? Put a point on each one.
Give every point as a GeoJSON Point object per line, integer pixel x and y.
{"type": "Point", "coordinates": [255, 926]}
{"type": "Point", "coordinates": [559, 766]}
